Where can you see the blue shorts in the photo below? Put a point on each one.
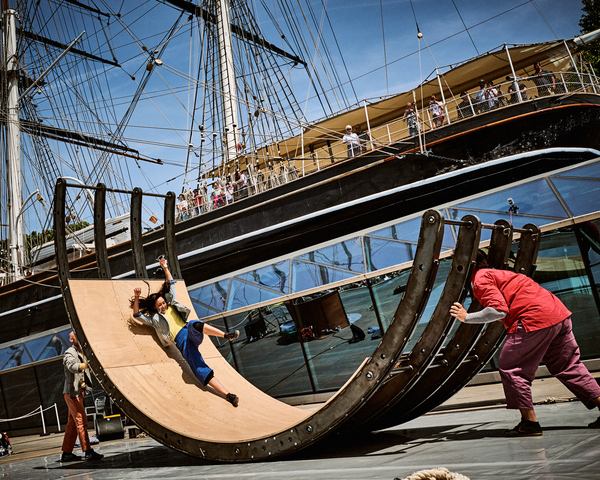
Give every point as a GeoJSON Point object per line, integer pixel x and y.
{"type": "Point", "coordinates": [188, 340]}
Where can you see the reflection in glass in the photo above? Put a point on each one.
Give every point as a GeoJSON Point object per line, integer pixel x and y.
{"type": "Point", "coordinates": [388, 290]}
{"type": "Point", "coordinates": [242, 294]}
{"type": "Point", "coordinates": [532, 198]}
{"type": "Point", "coordinates": [351, 335]}
{"type": "Point", "coordinates": [21, 395]}
{"type": "Point", "coordinates": [50, 382]}
{"type": "Point", "coordinates": [45, 347]}
{"type": "Point", "coordinates": [561, 270]}
{"type": "Point", "coordinates": [347, 255]}
{"type": "Point", "coordinates": [212, 296]}
{"type": "Point", "coordinates": [268, 353]}
{"type": "Point", "coordinates": [580, 195]}
{"type": "Point", "coordinates": [383, 253]}
{"type": "Point", "coordinates": [586, 171]}
{"type": "Point", "coordinates": [275, 276]}
{"type": "Point", "coordinates": [308, 275]}
{"type": "Point", "coordinates": [14, 356]}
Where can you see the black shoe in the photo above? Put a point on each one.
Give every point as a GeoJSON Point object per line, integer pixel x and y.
{"type": "Point", "coordinates": [232, 335]}
{"type": "Point", "coordinates": [91, 455]}
{"type": "Point", "coordinates": [595, 424]}
{"type": "Point", "coordinates": [69, 457]}
{"type": "Point", "coordinates": [525, 428]}
{"type": "Point", "coordinates": [233, 399]}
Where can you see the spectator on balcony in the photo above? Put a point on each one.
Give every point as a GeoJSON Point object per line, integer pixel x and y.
{"type": "Point", "coordinates": [544, 80]}
{"type": "Point", "coordinates": [491, 95]}
{"type": "Point", "coordinates": [182, 208]}
{"type": "Point", "coordinates": [512, 90]}
{"type": "Point", "coordinates": [363, 138]}
{"type": "Point", "coordinates": [464, 107]}
{"type": "Point", "coordinates": [479, 102]}
{"type": "Point", "coordinates": [437, 112]}
{"type": "Point", "coordinates": [352, 142]}
{"type": "Point", "coordinates": [197, 202]}
{"type": "Point", "coordinates": [411, 115]}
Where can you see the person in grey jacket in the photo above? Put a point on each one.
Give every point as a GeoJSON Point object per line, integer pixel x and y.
{"type": "Point", "coordinates": [168, 317]}
{"type": "Point", "coordinates": [77, 384]}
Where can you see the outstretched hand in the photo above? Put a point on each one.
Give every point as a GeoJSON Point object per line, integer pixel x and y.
{"type": "Point", "coordinates": [137, 291]}
{"type": "Point", "coordinates": [458, 311]}
{"type": "Point", "coordinates": [163, 263]}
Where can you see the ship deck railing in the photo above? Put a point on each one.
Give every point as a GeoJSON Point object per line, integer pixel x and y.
{"type": "Point", "coordinates": [456, 108]}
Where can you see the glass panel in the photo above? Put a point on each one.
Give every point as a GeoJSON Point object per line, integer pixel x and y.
{"type": "Point", "coordinates": [409, 231]}
{"type": "Point", "coordinates": [243, 294]}
{"type": "Point", "coordinates": [306, 275]}
{"type": "Point", "coordinates": [64, 335]}
{"type": "Point", "coordinates": [561, 270]}
{"type": "Point", "coordinates": [347, 255]}
{"type": "Point", "coordinates": [275, 276]}
{"type": "Point", "coordinates": [202, 310]}
{"type": "Point", "coordinates": [533, 198]}
{"type": "Point", "coordinates": [268, 353]}
{"type": "Point", "coordinates": [45, 347]}
{"type": "Point", "coordinates": [14, 356]}
{"type": "Point", "coordinates": [388, 290]}
{"type": "Point", "coordinates": [580, 195]}
{"type": "Point", "coordinates": [213, 296]}
{"type": "Point", "coordinates": [22, 397]}
{"type": "Point", "coordinates": [590, 234]}
{"type": "Point", "coordinates": [386, 253]}
{"type": "Point", "coordinates": [592, 170]}
{"type": "Point", "coordinates": [338, 348]}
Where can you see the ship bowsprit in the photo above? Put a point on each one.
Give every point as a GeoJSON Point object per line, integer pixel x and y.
{"type": "Point", "coordinates": [156, 389]}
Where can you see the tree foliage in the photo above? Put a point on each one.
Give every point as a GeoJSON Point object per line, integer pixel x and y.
{"type": "Point", "coordinates": [590, 21]}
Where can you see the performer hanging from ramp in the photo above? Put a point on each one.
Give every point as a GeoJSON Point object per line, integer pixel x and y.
{"type": "Point", "coordinates": [162, 311]}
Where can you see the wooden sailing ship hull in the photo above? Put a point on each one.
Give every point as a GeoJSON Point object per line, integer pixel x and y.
{"type": "Point", "coordinates": [462, 159]}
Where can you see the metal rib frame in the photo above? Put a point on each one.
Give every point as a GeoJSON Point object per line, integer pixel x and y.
{"type": "Point", "coordinates": [438, 327]}
{"type": "Point", "coordinates": [489, 341]}
{"type": "Point", "coordinates": [457, 349]}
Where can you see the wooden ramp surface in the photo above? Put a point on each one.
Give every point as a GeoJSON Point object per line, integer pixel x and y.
{"type": "Point", "coordinates": [159, 382]}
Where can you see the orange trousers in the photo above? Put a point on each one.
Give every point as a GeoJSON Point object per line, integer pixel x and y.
{"type": "Point", "coordinates": [77, 425]}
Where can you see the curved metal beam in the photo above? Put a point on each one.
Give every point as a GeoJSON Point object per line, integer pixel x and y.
{"type": "Point", "coordinates": [431, 341]}
{"type": "Point", "coordinates": [492, 337]}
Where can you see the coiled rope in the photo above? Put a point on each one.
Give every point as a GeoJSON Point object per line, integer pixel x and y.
{"type": "Point", "coordinates": [439, 473]}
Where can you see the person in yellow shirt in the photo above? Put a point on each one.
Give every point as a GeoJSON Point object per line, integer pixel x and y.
{"type": "Point", "coordinates": [162, 311]}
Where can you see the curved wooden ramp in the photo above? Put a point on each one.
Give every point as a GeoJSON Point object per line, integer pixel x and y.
{"type": "Point", "coordinates": [154, 387]}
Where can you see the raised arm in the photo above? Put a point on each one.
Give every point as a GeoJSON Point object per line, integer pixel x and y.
{"type": "Point", "coordinates": [165, 267]}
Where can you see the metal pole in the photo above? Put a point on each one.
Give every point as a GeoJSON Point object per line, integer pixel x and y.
{"type": "Point", "coordinates": [442, 95]}
{"type": "Point", "coordinates": [515, 83]}
{"type": "Point", "coordinates": [418, 123]}
{"type": "Point", "coordinates": [368, 125]}
{"type": "Point", "coordinates": [16, 244]}
{"type": "Point", "coordinates": [574, 66]}
{"type": "Point", "coordinates": [57, 417]}
{"type": "Point", "coordinates": [43, 421]}
{"type": "Point", "coordinates": [227, 73]}
{"type": "Point", "coordinates": [302, 139]}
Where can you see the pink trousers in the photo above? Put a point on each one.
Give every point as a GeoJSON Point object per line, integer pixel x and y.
{"type": "Point", "coordinates": [557, 348]}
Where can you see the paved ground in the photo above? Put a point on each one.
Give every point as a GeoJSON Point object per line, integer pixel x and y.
{"type": "Point", "coordinates": [469, 441]}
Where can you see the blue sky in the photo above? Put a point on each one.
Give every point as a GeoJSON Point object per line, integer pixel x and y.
{"type": "Point", "coordinates": [360, 33]}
